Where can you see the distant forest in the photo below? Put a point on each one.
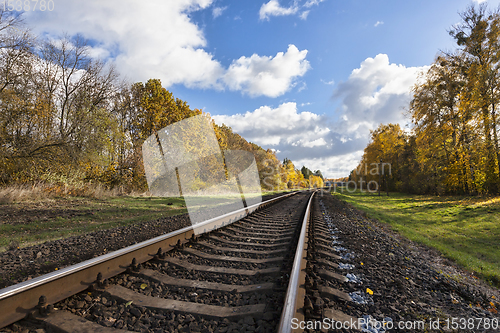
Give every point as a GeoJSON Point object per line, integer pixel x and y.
{"type": "Point", "coordinates": [68, 120]}
{"type": "Point", "coordinates": [453, 145]}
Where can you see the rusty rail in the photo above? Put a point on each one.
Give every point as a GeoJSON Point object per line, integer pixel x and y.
{"type": "Point", "coordinates": [19, 300]}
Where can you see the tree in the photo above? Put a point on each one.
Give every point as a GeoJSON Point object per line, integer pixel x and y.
{"type": "Point", "coordinates": [62, 111]}
{"type": "Point", "coordinates": [453, 147]}
{"type": "Point", "coordinates": [381, 159]}
{"type": "Point", "coordinates": [478, 39]}
{"type": "Point", "coordinates": [16, 46]}
{"type": "Point", "coordinates": [438, 123]}
{"type": "Point", "coordinates": [318, 174]}
{"type": "Point", "coordinates": [316, 181]}
{"type": "Point", "coordinates": [306, 172]}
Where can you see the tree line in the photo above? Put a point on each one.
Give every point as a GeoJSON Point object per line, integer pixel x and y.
{"type": "Point", "coordinates": [453, 145]}
{"type": "Point", "coordinates": [67, 118]}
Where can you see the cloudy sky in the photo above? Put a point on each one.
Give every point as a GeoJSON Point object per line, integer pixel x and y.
{"type": "Point", "coordinates": [307, 78]}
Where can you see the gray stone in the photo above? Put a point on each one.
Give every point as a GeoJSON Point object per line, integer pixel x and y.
{"type": "Point", "coordinates": [249, 321]}
{"type": "Point", "coordinates": [268, 316]}
{"type": "Point", "coordinates": [135, 312]}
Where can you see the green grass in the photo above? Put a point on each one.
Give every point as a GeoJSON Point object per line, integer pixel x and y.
{"type": "Point", "coordinates": [464, 229]}
{"type": "Point", "coordinates": [32, 223]}
{"type": "Point", "coordinates": [41, 220]}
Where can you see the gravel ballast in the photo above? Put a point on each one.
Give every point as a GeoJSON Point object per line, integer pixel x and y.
{"type": "Point", "coordinates": [18, 265]}
{"type": "Point", "coordinates": [389, 278]}
{"type": "Point", "coordinates": [395, 279]}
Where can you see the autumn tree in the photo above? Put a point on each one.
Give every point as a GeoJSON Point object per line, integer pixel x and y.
{"type": "Point", "coordinates": [382, 159]}
{"type": "Point", "coordinates": [316, 181]}
{"type": "Point", "coordinates": [267, 163]}
{"type": "Point", "coordinates": [318, 173]}
{"type": "Point", "coordinates": [63, 111]}
{"type": "Point", "coordinates": [453, 147]}
{"type": "Point", "coordinates": [478, 40]}
{"type": "Point", "coordinates": [15, 53]}
{"type": "Point", "coordinates": [306, 172]}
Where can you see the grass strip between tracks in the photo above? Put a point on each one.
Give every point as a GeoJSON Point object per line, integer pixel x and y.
{"type": "Point", "coordinates": [464, 229]}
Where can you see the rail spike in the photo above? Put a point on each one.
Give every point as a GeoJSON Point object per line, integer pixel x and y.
{"type": "Point", "coordinates": [308, 307]}
{"type": "Point", "coordinates": [194, 239]}
{"type": "Point", "coordinates": [159, 254]}
{"type": "Point", "coordinates": [101, 283]}
{"type": "Point", "coordinates": [43, 307]}
{"type": "Point", "coordinates": [134, 267]}
{"type": "Point", "coordinates": [315, 285]}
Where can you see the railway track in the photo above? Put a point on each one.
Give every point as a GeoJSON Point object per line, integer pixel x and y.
{"type": "Point", "coordinates": [293, 264]}
{"type": "Point", "coordinates": [237, 275]}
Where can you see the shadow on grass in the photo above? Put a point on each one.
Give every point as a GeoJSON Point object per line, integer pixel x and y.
{"type": "Point", "coordinates": [464, 229]}
{"type": "Point", "coordinates": [25, 223]}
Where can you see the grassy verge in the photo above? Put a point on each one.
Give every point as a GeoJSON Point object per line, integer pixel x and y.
{"type": "Point", "coordinates": [25, 222]}
{"type": "Point", "coordinates": [464, 229]}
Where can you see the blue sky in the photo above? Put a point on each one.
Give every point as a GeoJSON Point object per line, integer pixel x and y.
{"type": "Point", "coordinates": [307, 78]}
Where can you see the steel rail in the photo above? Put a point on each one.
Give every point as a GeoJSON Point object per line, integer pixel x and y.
{"type": "Point", "coordinates": [21, 299]}
{"type": "Point", "coordinates": [294, 301]}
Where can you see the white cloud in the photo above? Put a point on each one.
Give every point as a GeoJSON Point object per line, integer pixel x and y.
{"type": "Point", "coordinates": [375, 93]}
{"type": "Point", "coordinates": [302, 87]}
{"type": "Point", "coordinates": [330, 83]}
{"type": "Point", "coordinates": [310, 144]}
{"type": "Point", "coordinates": [311, 3]}
{"type": "Point", "coordinates": [157, 39]}
{"type": "Point", "coordinates": [332, 166]}
{"type": "Point", "coordinates": [217, 11]}
{"type": "Point", "coordinates": [265, 121]}
{"type": "Point", "coordinates": [269, 76]}
{"type": "Point", "coordinates": [480, 1]}
{"type": "Point", "coordinates": [273, 8]}
{"type": "Point", "coordinates": [378, 23]}
{"type": "Point", "coordinates": [304, 14]}
{"type": "Point", "coordinates": [304, 137]}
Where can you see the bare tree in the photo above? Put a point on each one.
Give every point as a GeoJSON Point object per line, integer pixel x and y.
{"type": "Point", "coordinates": [15, 48]}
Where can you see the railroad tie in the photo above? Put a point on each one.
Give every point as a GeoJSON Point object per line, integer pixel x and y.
{"type": "Point", "coordinates": [66, 322]}
{"type": "Point", "coordinates": [166, 279]}
{"type": "Point", "coordinates": [223, 270]}
{"type": "Point", "coordinates": [236, 250]}
{"type": "Point", "coordinates": [229, 258]}
{"type": "Point", "coordinates": [205, 310]}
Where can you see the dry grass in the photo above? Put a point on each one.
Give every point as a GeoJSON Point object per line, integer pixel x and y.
{"type": "Point", "coordinates": [41, 191]}
{"type": "Point", "coordinates": [17, 193]}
